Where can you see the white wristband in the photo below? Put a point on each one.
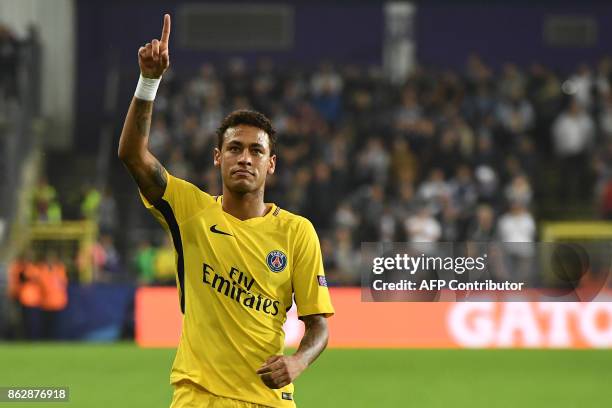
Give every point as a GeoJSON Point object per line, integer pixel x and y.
{"type": "Point", "coordinates": [147, 88]}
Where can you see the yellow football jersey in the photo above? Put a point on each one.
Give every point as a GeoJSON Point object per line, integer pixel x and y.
{"type": "Point", "coordinates": [236, 280]}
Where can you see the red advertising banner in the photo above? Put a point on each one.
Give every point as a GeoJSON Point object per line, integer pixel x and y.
{"type": "Point", "coordinates": [414, 325]}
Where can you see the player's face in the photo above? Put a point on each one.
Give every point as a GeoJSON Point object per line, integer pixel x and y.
{"type": "Point", "coordinates": [244, 159]}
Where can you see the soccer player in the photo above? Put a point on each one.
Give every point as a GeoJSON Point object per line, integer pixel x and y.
{"type": "Point", "coordinates": [239, 259]}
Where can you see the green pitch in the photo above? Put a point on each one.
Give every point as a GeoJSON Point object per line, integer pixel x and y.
{"type": "Point", "coordinates": [122, 375]}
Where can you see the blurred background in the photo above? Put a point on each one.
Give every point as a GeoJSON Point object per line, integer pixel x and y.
{"type": "Point", "coordinates": [398, 121]}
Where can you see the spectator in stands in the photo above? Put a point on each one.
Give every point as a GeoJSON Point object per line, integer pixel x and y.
{"type": "Point", "coordinates": [404, 203]}
{"type": "Point", "coordinates": [605, 200]}
{"type": "Point", "coordinates": [346, 258]}
{"type": "Point", "coordinates": [345, 217]}
{"type": "Point", "coordinates": [446, 152]}
{"type": "Point", "coordinates": [602, 78]}
{"type": "Point", "coordinates": [328, 102]}
{"type": "Point", "coordinates": [449, 221]}
{"type": "Point", "coordinates": [91, 203]}
{"type": "Point", "coordinates": [516, 225]}
{"type": "Point", "coordinates": [573, 135]}
{"type": "Point", "coordinates": [25, 289]}
{"type": "Point", "coordinates": [605, 118]}
{"type": "Point", "coordinates": [410, 119]}
{"type": "Point", "coordinates": [328, 252]}
{"type": "Point", "coordinates": [512, 81]}
{"type": "Point", "coordinates": [206, 83]}
{"type": "Point", "coordinates": [54, 293]}
{"type": "Point", "coordinates": [517, 228]}
{"type": "Point", "coordinates": [322, 187]}
{"type": "Point", "coordinates": [107, 262]}
{"type": "Point", "coordinates": [482, 228]}
{"type": "Point", "coordinates": [326, 79]}
{"type": "Point", "coordinates": [212, 111]}
{"type": "Point", "coordinates": [479, 105]}
{"type": "Point", "coordinates": [480, 238]}
{"type": "Point", "coordinates": [602, 164]}
{"type": "Point", "coordinates": [466, 137]}
{"type": "Point", "coordinates": [263, 87]}
{"type": "Point", "coordinates": [297, 194]}
{"type": "Point", "coordinates": [486, 154]}
{"type": "Point", "coordinates": [516, 115]}
{"type": "Point", "coordinates": [581, 84]}
{"type": "Point", "coordinates": [423, 227]}
{"type": "Point", "coordinates": [404, 162]}
{"type": "Point", "coordinates": [527, 157]}
{"type": "Point", "coordinates": [372, 207]}
{"type": "Point", "coordinates": [463, 190]}
{"type": "Point", "coordinates": [544, 90]}
{"type": "Point", "coordinates": [237, 81]}
{"type": "Point", "coordinates": [108, 216]}
{"type": "Point", "coordinates": [476, 71]}
{"type": "Point", "coordinates": [144, 261]}
{"type": "Point", "coordinates": [165, 264]}
{"type": "Point", "coordinates": [388, 225]}
{"type": "Point", "coordinates": [434, 190]}
{"type": "Point", "coordinates": [160, 140]}
{"type": "Point", "coordinates": [46, 207]}
{"type": "Point", "coordinates": [519, 190]}
{"type": "Point", "coordinates": [487, 184]}
{"type": "Point", "coordinates": [177, 164]}
{"type": "Point", "coordinates": [374, 162]}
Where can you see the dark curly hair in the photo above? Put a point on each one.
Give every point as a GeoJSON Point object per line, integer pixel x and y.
{"type": "Point", "coordinates": [250, 118]}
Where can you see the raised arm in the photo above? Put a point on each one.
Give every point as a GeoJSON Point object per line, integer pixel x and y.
{"type": "Point", "coordinates": [149, 174]}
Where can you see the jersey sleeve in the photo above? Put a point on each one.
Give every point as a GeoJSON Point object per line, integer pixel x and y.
{"type": "Point", "coordinates": [309, 283]}
{"type": "Point", "coordinates": [180, 201]}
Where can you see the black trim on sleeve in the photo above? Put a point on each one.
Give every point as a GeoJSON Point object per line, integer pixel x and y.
{"type": "Point", "coordinates": [164, 208]}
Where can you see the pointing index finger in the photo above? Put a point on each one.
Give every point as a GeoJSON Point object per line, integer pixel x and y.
{"type": "Point", "coordinates": [166, 30]}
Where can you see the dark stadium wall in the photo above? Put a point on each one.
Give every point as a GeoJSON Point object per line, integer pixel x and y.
{"type": "Point", "coordinates": [111, 31]}
{"type": "Point", "coordinates": [448, 33]}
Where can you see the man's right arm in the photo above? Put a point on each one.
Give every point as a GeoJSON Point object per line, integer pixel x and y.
{"type": "Point", "coordinates": [146, 170]}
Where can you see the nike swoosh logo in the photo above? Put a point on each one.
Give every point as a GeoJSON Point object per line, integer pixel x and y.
{"type": "Point", "coordinates": [216, 231]}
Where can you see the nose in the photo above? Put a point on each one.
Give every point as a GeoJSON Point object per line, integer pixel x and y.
{"type": "Point", "coordinates": [245, 158]}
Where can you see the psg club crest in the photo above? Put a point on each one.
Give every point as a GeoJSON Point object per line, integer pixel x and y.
{"type": "Point", "coordinates": [276, 261]}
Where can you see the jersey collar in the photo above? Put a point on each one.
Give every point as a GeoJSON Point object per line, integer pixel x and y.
{"type": "Point", "coordinates": [272, 211]}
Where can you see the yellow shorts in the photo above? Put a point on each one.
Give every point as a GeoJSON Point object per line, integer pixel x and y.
{"type": "Point", "coordinates": [188, 395]}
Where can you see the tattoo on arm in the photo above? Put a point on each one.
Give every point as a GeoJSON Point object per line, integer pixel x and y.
{"type": "Point", "coordinates": [159, 175]}
{"type": "Point", "coordinates": [144, 111]}
{"type": "Point", "coordinates": [146, 170]}
{"type": "Point", "coordinates": [315, 338]}
{"type": "Point", "coordinates": [151, 180]}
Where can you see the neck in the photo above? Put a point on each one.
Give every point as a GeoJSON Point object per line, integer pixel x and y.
{"type": "Point", "coordinates": [244, 206]}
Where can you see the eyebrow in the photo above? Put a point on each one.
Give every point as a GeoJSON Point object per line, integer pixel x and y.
{"type": "Point", "coordinates": [240, 144]}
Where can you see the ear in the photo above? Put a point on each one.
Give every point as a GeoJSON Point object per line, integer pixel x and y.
{"type": "Point", "coordinates": [272, 164]}
{"type": "Point", "coordinates": [217, 157]}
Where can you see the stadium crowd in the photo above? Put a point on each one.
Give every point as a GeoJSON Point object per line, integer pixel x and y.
{"type": "Point", "coordinates": [39, 289]}
{"type": "Point", "coordinates": [446, 156]}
